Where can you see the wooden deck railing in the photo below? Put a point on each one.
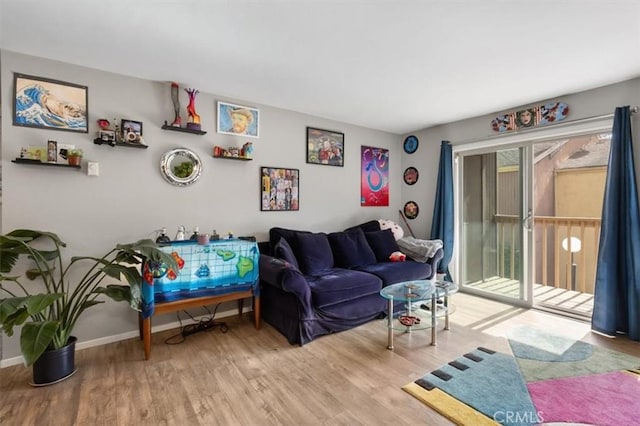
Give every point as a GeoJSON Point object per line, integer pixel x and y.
{"type": "Point", "coordinates": [553, 263]}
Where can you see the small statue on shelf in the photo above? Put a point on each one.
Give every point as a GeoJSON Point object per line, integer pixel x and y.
{"type": "Point", "coordinates": [247, 150]}
{"type": "Point", "coordinates": [193, 122]}
{"type": "Point", "coordinates": [177, 121]}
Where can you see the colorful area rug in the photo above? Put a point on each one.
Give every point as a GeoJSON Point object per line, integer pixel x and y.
{"type": "Point", "coordinates": [549, 380]}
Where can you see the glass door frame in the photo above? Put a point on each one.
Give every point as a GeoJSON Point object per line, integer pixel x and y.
{"type": "Point", "coordinates": [525, 140]}
{"type": "Point", "coordinates": [525, 298]}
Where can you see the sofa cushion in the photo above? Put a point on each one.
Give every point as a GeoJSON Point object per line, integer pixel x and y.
{"type": "Point", "coordinates": [370, 226]}
{"type": "Point", "coordinates": [283, 251]}
{"type": "Point", "coordinates": [341, 285]}
{"type": "Point", "coordinates": [351, 249]}
{"type": "Point", "coordinates": [383, 243]}
{"type": "Point", "coordinates": [314, 253]}
{"type": "Point", "coordinates": [288, 234]}
{"type": "Point", "coordinates": [395, 272]}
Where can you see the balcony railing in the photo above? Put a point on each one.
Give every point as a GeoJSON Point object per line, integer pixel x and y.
{"type": "Point", "coordinates": [569, 267]}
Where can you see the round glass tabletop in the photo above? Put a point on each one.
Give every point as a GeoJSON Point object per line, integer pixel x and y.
{"type": "Point", "coordinates": [409, 291]}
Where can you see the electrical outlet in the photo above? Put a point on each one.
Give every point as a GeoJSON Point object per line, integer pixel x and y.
{"type": "Point", "coordinates": [93, 168]}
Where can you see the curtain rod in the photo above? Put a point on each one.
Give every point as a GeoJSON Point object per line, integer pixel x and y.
{"type": "Point", "coordinates": [633, 110]}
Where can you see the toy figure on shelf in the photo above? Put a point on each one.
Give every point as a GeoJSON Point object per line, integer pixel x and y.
{"type": "Point", "coordinates": [247, 150]}
{"type": "Point", "coordinates": [177, 121]}
{"type": "Point", "coordinates": [193, 122]}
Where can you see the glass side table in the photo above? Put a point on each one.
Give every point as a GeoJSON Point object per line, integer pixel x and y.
{"type": "Point", "coordinates": [421, 308]}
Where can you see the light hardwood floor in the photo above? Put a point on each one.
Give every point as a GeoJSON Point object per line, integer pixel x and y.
{"type": "Point", "coordinates": [254, 377]}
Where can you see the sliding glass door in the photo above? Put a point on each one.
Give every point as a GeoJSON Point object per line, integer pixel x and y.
{"type": "Point", "coordinates": [496, 219]}
{"type": "Point", "coordinates": [528, 219]}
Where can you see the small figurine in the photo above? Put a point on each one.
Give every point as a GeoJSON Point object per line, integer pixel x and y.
{"type": "Point", "coordinates": [247, 150]}
{"type": "Point", "coordinates": [103, 123]}
{"type": "Point", "coordinates": [177, 121]}
{"type": "Point", "coordinates": [194, 236]}
{"type": "Point", "coordinates": [193, 122]}
{"type": "Point", "coordinates": [180, 234]}
{"type": "Point", "coordinates": [163, 238]}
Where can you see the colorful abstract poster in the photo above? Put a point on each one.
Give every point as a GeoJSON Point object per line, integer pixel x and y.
{"type": "Point", "coordinates": [374, 176]}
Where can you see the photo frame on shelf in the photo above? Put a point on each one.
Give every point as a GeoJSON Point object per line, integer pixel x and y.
{"type": "Point", "coordinates": [131, 131]}
{"type": "Point", "coordinates": [279, 189]}
{"type": "Point", "coordinates": [325, 147]}
{"type": "Point", "coordinates": [238, 120]}
{"type": "Point", "coordinates": [44, 103]}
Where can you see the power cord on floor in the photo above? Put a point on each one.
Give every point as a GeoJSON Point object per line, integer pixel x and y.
{"type": "Point", "coordinates": [204, 324]}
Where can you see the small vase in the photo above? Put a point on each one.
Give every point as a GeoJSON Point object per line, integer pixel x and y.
{"type": "Point", "coordinates": [55, 365]}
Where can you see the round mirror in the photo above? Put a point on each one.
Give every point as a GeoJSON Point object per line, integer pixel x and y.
{"type": "Point", "coordinates": [180, 166]}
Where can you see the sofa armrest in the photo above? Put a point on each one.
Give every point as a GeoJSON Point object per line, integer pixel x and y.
{"type": "Point", "coordinates": [284, 276]}
{"type": "Point", "coordinates": [435, 261]}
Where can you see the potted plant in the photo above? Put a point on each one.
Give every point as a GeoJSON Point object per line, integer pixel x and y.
{"type": "Point", "coordinates": [74, 156]}
{"type": "Point", "coordinates": [49, 313]}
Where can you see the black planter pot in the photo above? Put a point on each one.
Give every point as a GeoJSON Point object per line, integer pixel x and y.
{"type": "Point", "coordinates": [55, 365]}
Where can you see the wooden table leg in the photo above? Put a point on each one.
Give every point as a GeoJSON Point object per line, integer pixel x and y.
{"type": "Point", "coordinates": [146, 337]}
{"type": "Point", "coordinates": [256, 311]}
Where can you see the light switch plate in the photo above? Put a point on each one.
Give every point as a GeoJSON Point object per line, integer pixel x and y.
{"type": "Point", "coordinates": [93, 168]}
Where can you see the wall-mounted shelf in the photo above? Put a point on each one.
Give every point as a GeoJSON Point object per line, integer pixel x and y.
{"type": "Point", "coordinates": [99, 141]}
{"type": "Point", "coordinates": [40, 163]}
{"type": "Point", "coordinates": [233, 158]}
{"type": "Point", "coordinates": [183, 129]}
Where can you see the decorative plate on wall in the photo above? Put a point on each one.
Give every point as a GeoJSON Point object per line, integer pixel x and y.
{"type": "Point", "coordinates": [180, 166]}
{"type": "Point", "coordinates": [410, 144]}
{"type": "Point", "coordinates": [411, 210]}
{"type": "Point", "coordinates": [410, 175]}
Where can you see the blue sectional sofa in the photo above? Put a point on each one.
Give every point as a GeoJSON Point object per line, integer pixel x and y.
{"type": "Point", "coordinates": [317, 283]}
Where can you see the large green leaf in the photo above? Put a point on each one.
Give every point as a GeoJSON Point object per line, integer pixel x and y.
{"type": "Point", "coordinates": [35, 338]}
{"type": "Point", "coordinates": [10, 306]}
{"type": "Point", "coordinates": [39, 302]}
{"type": "Point", "coordinates": [16, 243]}
{"type": "Point", "coordinates": [119, 293]}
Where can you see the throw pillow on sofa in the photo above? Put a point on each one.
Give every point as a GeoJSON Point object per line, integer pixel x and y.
{"type": "Point", "coordinates": [383, 243]}
{"type": "Point", "coordinates": [351, 249]}
{"type": "Point", "coordinates": [314, 253]}
{"type": "Point", "coordinates": [283, 251]}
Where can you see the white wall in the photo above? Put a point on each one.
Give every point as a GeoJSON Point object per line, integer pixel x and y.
{"type": "Point", "coordinates": [130, 199]}
{"type": "Point", "coordinates": [596, 102]}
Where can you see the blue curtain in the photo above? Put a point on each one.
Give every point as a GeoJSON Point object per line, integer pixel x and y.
{"type": "Point", "coordinates": [442, 223]}
{"type": "Point", "coordinates": [617, 290]}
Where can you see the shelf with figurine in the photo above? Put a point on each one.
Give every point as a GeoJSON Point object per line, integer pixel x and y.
{"type": "Point", "coordinates": [177, 128]}
{"type": "Point", "coordinates": [43, 163]}
{"type": "Point", "coordinates": [193, 120]}
{"type": "Point", "coordinates": [54, 154]}
{"type": "Point", "coordinates": [234, 153]}
{"type": "Point", "coordinates": [128, 134]}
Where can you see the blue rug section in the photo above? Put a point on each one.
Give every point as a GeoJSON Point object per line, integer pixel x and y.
{"type": "Point", "coordinates": [530, 343]}
{"type": "Point", "coordinates": [493, 386]}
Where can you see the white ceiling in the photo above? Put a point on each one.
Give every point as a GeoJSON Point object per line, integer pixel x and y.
{"type": "Point", "coordinates": [397, 66]}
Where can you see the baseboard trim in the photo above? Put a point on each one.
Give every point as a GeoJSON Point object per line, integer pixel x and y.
{"type": "Point", "coordinates": [9, 362]}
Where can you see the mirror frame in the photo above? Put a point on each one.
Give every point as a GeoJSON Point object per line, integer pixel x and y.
{"type": "Point", "coordinates": [167, 172]}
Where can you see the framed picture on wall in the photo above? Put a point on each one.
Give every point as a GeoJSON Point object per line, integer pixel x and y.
{"type": "Point", "coordinates": [325, 147]}
{"type": "Point", "coordinates": [374, 176]}
{"type": "Point", "coordinates": [238, 120]}
{"type": "Point", "coordinates": [131, 130]}
{"type": "Point", "coordinates": [279, 189]}
{"type": "Point", "coordinates": [44, 103]}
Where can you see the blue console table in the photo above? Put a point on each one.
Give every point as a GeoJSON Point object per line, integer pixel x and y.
{"type": "Point", "coordinates": [217, 272]}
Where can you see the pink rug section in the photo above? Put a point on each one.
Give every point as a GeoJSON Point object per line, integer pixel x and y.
{"type": "Point", "coordinates": [599, 399]}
